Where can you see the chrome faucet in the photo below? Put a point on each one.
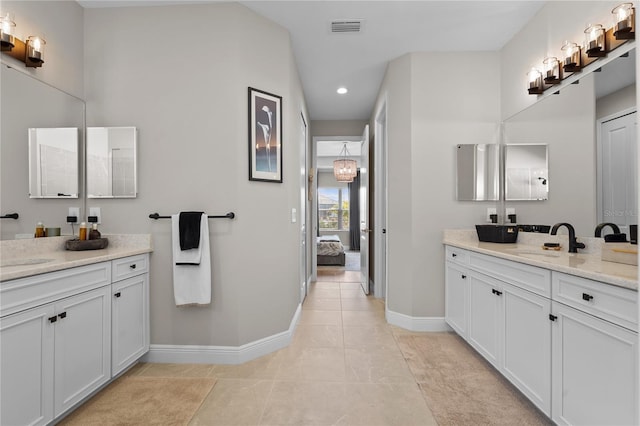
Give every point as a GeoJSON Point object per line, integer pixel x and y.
{"type": "Point", "coordinates": [614, 228]}
{"type": "Point", "coordinates": [574, 245]}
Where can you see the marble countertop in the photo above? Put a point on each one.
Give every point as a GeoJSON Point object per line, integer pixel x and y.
{"type": "Point", "coordinates": [24, 258]}
{"type": "Point", "coordinates": [528, 250]}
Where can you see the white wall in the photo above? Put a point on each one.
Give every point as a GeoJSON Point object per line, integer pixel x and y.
{"type": "Point", "coordinates": [425, 122]}
{"type": "Point", "coordinates": [620, 100]}
{"type": "Point", "coordinates": [180, 75]}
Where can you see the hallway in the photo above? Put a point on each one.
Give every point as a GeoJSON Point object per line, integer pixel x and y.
{"type": "Point", "coordinates": [347, 366]}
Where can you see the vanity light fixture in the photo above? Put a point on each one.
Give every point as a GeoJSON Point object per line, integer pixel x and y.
{"type": "Point", "coordinates": [7, 28]}
{"type": "Point", "coordinates": [345, 169]}
{"type": "Point", "coordinates": [571, 57]}
{"type": "Point", "coordinates": [536, 85]}
{"type": "Point", "coordinates": [594, 41]}
{"type": "Point", "coordinates": [624, 21]}
{"type": "Point", "coordinates": [30, 52]}
{"type": "Point", "coordinates": [551, 70]}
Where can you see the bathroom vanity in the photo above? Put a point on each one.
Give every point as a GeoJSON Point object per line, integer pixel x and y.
{"type": "Point", "coordinates": [561, 327]}
{"type": "Point", "coordinates": [70, 322]}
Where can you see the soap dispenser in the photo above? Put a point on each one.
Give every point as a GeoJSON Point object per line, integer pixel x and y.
{"type": "Point", "coordinates": [39, 230]}
{"type": "Point", "coordinates": [94, 234]}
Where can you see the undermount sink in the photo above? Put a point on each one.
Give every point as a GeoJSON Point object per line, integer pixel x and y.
{"type": "Point", "coordinates": [23, 262]}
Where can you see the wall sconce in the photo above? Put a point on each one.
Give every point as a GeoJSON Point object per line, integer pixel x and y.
{"type": "Point", "coordinates": [551, 70]}
{"type": "Point", "coordinates": [594, 41]}
{"type": "Point", "coordinates": [7, 27]}
{"type": "Point", "coordinates": [571, 57]}
{"type": "Point", "coordinates": [536, 86]}
{"type": "Point", "coordinates": [624, 22]}
{"type": "Point", "coordinates": [31, 52]}
{"type": "Point", "coordinates": [35, 50]}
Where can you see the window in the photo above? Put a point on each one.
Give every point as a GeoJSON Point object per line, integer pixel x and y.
{"type": "Point", "coordinates": [333, 209]}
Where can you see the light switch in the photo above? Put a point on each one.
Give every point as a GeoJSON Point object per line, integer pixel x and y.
{"type": "Point", "coordinates": [294, 215]}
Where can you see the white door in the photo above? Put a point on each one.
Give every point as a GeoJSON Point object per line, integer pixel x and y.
{"type": "Point", "coordinates": [594, 365]}
{"type": "Point", "coordinates": [82, 346]}
{"type": "Point", "coordinates": [364, 211]}
{"type": "Point", "coordinates": [304, 275]}
{"type": "Point", "coordinates": [26, 367]}
{"type": "Point", "coordinates": [380, 201]}
{"type": "Point", "coordinates": [618, 171]}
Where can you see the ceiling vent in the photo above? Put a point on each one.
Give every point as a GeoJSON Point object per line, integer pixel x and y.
{"type": "Point", "coordinates": [346, 26]}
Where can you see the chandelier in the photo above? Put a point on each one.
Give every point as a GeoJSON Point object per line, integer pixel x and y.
{"type": "Point", "coordinates": [344, 169]}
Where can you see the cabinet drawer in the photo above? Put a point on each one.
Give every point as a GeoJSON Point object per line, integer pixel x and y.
{"type": "Point", "coordinates": [456, 255]}
{"type": "Point", "coordinates": [534, 279]}
{"type": "Point", "coordinates": [24, 293]}
{"type": "Point", "coordinates": [129, 267]}
{"type": "Point", "coordinates": [615, 304]}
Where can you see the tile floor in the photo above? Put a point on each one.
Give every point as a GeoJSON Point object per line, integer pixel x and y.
{"type": "Point", "coordinates": [344, 367]}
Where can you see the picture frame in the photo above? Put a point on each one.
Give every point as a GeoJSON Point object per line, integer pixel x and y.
{"type": "Point", "coordinates": [265, 136]}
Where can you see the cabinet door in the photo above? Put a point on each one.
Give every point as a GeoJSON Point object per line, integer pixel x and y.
{"type": "Point", "coordinates": [456, 298]}
{"type": "Point", "coordinates": [485, 316]}
{"type": "Point", "coordinates": [130, 321]}
{"type": "Point", "coordinates": [527, 344]}
{"type": "Point", "coordinates": [82, 346]}
{"type": "Point", "coordinates": [595, 370]}
{"type": "Point", "coordinates": [26, 367]}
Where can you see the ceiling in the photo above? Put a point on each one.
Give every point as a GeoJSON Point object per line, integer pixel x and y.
{"type": "Point", "coordinates": [389, 30]}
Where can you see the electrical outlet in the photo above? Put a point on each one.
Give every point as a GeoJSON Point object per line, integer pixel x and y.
{"type": "Point", "coordinates": [490, 211]}
{"type": "Point", "coordinates": [95, 211]}
{"type": "Point", "coordinates": [74, 211]}
{"type": "Point", "coordinates": [294, 215]}
{"type": "Point", "coordinates": [510, 211]}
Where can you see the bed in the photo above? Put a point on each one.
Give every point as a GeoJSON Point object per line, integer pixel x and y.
{"type": "Point", "coordinates": [330, 250]}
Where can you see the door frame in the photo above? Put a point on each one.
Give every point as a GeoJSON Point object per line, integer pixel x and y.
{"type": "Point", "coordinates": [380, 133]}
{"type": "Point", "coordinates": [314, 203]}
{"type": "Point", "coordinates": [304, 230]}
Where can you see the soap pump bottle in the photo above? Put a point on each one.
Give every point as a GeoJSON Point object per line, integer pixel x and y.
{"type": "Point", "coordinates": [39, 230]}
{"type": "Point", "coordinates": [94, 234]}
{"type": "Point", "coordinates": [82, 233]}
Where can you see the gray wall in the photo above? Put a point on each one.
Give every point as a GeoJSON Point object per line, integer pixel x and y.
{"type": "Point", "coordinates": [180, 75]}
{"type": "Point", "coordinates": [425, 122]}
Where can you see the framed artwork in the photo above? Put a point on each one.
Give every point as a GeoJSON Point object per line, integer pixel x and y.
{"type": "Point", "coordinates": [265, 136]}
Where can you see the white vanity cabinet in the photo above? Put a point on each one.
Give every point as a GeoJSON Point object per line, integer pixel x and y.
{"type": "Point", "coordinates": [130, 311]}
{"type": "Point", "coordinates": [595, 353]}
{"type": "Point", "coordinates": [54, 354]}
{"type": "Point", "coordinates": [567, 343]}
{"type": "Point", "coordinates": [65, 334]}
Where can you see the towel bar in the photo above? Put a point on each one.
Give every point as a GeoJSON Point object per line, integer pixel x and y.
{"type": "Point", "coordinates": [229, 215]}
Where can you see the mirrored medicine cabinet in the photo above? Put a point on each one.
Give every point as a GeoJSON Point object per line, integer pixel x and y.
{"type": "Point", "coordinates": [524, 168]}
{"type": "Point", "coordinates": [53, 162]}
{"type": "Point", "coordinates": [111, 162]}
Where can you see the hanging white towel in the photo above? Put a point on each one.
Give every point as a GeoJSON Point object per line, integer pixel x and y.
{"type": "Point", "coordinates": [191, 282]}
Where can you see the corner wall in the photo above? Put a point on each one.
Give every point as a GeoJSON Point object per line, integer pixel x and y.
{"type": "Point", "coordinates": [186, 92]}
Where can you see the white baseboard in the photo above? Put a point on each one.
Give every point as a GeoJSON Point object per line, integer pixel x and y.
{"type": "Point", "coordinates": [417, 323]}
{"type": "Point", "coordinates": [195, 354]}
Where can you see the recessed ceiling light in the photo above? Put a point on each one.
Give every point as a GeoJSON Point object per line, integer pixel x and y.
{"type": "Point", "coordinates": [342, 90]}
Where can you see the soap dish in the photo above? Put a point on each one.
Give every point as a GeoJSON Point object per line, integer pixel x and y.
{"type": "Point", "coordinates": [80, 245]}
{"type": "Point", "coordinates": [552, 246]}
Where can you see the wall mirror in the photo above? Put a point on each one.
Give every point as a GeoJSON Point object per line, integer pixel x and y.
{"type": "Point", "coordinates": [526, 172]}
{"type": "Point", "coordinates": [28, 103]}
{"type": "Point", "coordinates": [477, 172]}
{"type": "Point", "coordinates": [111, 162]}
{"type": "Point", "coordinates": [53, 162]}
{"type": "Point", "coordinates": [569, 123]}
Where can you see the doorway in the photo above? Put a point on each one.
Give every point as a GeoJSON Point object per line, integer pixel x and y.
{"type": "Point", "coordinates": [335, 213]}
